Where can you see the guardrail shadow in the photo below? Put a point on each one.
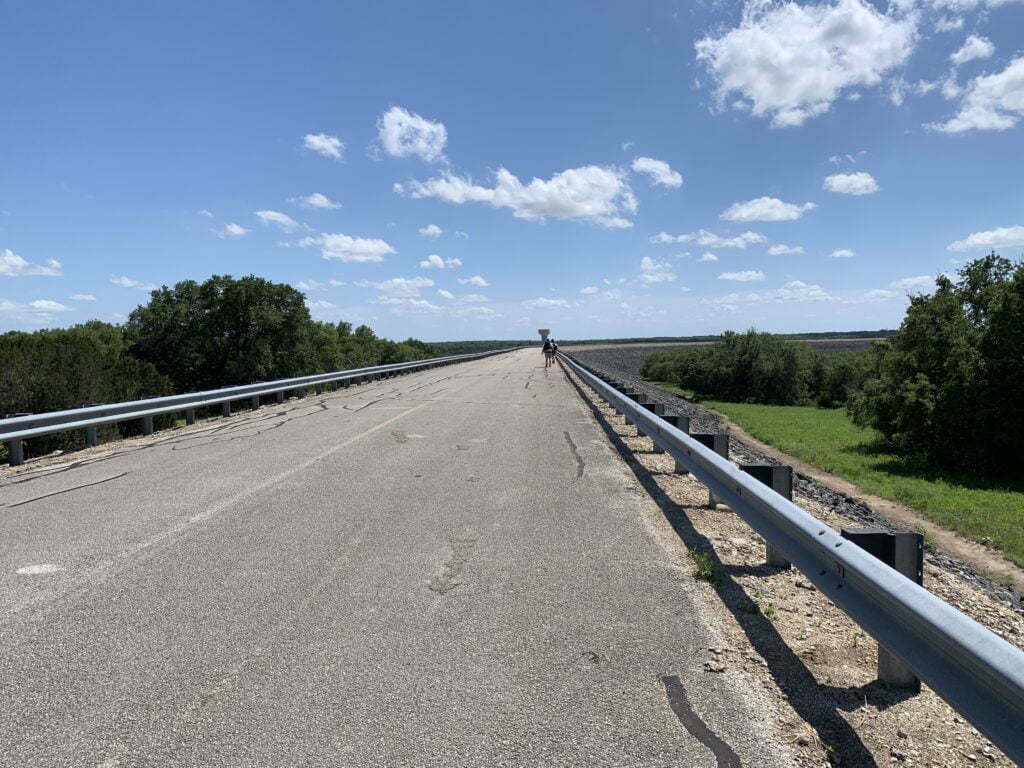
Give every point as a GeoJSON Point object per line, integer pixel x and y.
{"type": "Point", "coordinates": [817, 704]}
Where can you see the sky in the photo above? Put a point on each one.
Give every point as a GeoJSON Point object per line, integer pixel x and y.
{"type": "Point", "coordinates": [467, 170]}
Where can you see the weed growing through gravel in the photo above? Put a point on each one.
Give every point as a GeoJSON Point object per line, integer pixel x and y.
{"type": "Point", "coordinates": [704, 568]}
{"type": "Point", "coordinates": [991, 512]}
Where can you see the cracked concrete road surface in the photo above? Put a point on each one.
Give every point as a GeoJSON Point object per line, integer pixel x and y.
{"type": "Point", "coordinates": [450, 568]}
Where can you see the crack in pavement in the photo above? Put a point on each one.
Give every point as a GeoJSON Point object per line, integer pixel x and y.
{"type": "Point", "coordinates": [680, 705]}
{"type": "Point", "coordinates": [580, 465]}
{"type": "Point", "coordinates": [449, 578]}
{"type": "Point", "coordinates": [66, 490]}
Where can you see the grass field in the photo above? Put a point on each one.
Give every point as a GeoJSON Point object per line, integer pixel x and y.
{"type": "Point", "coordinates": [988, 511]}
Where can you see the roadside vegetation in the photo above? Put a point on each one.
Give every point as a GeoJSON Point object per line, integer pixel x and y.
{"type": "Point", "coordinates": [931, 417]}
{"type": "Point", "coordinates": [193, 336]}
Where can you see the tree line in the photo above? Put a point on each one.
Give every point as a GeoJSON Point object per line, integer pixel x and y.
{"type": "Point", "coordinates": [946, 389]}
{"type": "Point", "coordinates": [194, 336]}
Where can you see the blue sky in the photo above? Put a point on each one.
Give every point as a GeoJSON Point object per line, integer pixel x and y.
{"type": "Point", "coordinates": [461, 170]}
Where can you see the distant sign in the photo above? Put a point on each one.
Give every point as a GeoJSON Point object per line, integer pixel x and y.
{"type": "Point", "coordinates": [543, 333]}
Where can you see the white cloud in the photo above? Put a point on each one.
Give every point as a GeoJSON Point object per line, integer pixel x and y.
{"type": "Point", "coordinates": [461, 235]}
{"type": "Point", "coordinates": [403, 287]}
{"type": "Point", "coordinates": [652, 271]}
{"type": "Point", "coordinates": [859, 183]}
{"type": "Point", "coordinates": [445, 294]}
{"type": "Point", "coordinates": [707, 256]}
{"type": "Point", "coordinates": [744, 276]}
{"type": "Point", "coordinates": [476, 280]}
{"type": "Point", "coordinates": [348, 249]}
{"type": "Point", "coordinates": [543, 303]}
{"type": "Point", "coordinates": [949, 23]}
{"type": "Point", "coordinates": [323, 144]}
{"type": "Point", "coordinates": [990, 102]}
{"type": "Point", "coordinates": [790, 62]}
{"type": "Point", "coordinates": [452, 262]}
{"type": "Point", "coordinates": [842, 253]}
{"type": "Point", "coordinates": [711, 240]}
{"type": "Point", "coordinates": [473, 298]}
{"type": "Point", "coordinates": [12, 265]}
{"type": "Point", "coordinates": [589, 290]}
{"type": "Point", "coordinates": [317, 200]}
{"type": "Point", "coordinates": [974, 47]}
{"type": "Point", "coordinates": [592, 193]}
{"type": "Point", "coordinates": [659, 171]}
{"type": "Point", "coordinates": [402, 134]}
{"type": "Point", "coordinates": [879, 294]}
{"type": "Point", "coordinates": [784, 250]}
{"type": "Point", "coordinates": [204, 212]}
{"type": "Point", "coordinates": [765, 209]}
{"type": "Point", "coordinates": [336, 283]}
{"type": "Point", "coordinates": [128, 282]}
{"type": "Point", "coordinates": [433, 261]}
{"type": "Point", "coordinates": [310, 285]}
{"type": "Point", "coordinates": [232, 230]}
{"type": "Point", "coordinates": [82, 297]}
{"type": "Point", "coordinates": [431, 230]}
{"type": "Point", "coordinates": [918, 283]}
{"type": "Point", "coordinates": [1001, 237]}
{"type": "Point", "coordinates": [283, 220]}
{"type": "Point", "coordinates": [627, 145]}
{"type": "Point", "coordinates": [792, 292]}
{"type": "Point", "coordinates": [33, 312]}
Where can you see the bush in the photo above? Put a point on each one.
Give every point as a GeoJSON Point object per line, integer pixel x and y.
{"type": "Point", "coordinates": [760, 368]}
{"type": "Point", "coordinates": [947, 388]}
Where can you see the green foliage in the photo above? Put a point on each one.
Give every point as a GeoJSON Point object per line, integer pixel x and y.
{"type": "Point", "coordinates": [760, 368]}
{"type": "Point", "coordinates": [947, 388]}
{"type": "Point", "coordinates": [52, 370]}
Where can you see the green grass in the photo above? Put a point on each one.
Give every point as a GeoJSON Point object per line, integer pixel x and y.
{"type": "Point", "coordinates": [986, 510]}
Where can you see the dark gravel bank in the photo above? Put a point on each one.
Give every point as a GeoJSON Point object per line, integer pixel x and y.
{"type": "Point", "coordinates": [624, 363]}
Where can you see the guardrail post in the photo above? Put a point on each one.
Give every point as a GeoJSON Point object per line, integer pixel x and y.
{"type": "Point", "coordinates": [780, 479]}
{"type": "Point", "coordinates": [92, 436]}
{"type": "Point", "coordinates": [903, 551]}
{"type": "Point", "coordinates": [225, 408]}
{"type": "Point", "coordinates": [147, 425]}
{"type": "Point", "coordinates": [630, 394]}
{"type": "Point", "coordinates": [190, 416]}
{"type": "Point", "coordinates": [318, 389]}
{"type": "Point", "coordinates": [15, 452]}
{"type": "Point", "coordinates": [719, 443]}
{"type": "Point", "coordinates": [279, 397]}
{"type": "Point", "coordinates": [682, 423]}
{"type": "Point", "coordinates": [658, 409]}
{"type": "Point", "coordinates": [254, 402]}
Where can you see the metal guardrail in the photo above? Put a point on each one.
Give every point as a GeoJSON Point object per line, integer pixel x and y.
{"type": "Point", "coordinates": [14, 431]}
{"type": "Point", "coordinates": [977, 672]}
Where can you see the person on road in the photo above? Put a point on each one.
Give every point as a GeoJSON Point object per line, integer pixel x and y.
{"type": "Point", "coordinates": [547, 352]}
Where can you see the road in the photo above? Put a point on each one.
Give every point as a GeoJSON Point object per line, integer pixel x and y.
{"type": "Point", "coordinates": [451, 568]}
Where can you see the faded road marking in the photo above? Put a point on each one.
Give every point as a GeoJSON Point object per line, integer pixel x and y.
{"type": "Point", "coordinates": [38, 570]}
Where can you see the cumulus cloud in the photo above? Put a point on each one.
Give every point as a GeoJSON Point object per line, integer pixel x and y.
{"type": "Point", "coordinates": [974, 47]}
{"type": "Point", "coordinates": [591, 193]}
{"type": "Point", "coordinates": [918, 283]}
{"type": "Point", "coordinates": [310, 285]}
{"type": "Point", "coordinates": [659, 171]}
{"type": "Point", "coordinates": [791, 292]}
{"type": "Point", "coordinates": [282, 220]}
{"type": "Point", "coordinates": [82, 297]}
{"type": "Point", "coordinates": [433, 261]}
{"type": "Point", "coordinates": [791, 62]}
{"type": "Point", "coordinates": [431, 230]}
{"type": "Point", "coordinates": [543, 303]}
{"type": "Point", "coordinates": [403, 134]}
{"type": "Point", "coordinates": [707, 256]}
{"type": "Point", "coordinates": [324, 144]}
{"type": "Point", "coordinates": [990, 102]}
{"type": "Point", "coordinates": [589, 290]}
{"type": "Point", "coordinates": [652, 271]}
{"type": "Point", "coordinates": [859, 183]}
{"type": "Point", "coordinates": [784, 250]}
{"type": "Point", "coordinates": [33, 312]}
{"type": "Point", "coordinates": [403, 287]}
{"type": "Point", "coordinates": [339, 247]}
{"type": "Point", "coordinates": [459, 234]}
{"type": "Point", "coordinates": [231, 230]}
{"type": "Point", "coordinates": [842, 253]}
{"type": "Point", "coordinates": [744, 276]}
{"type": "Point", "coordinates": [129, 282]}
{"type": "Point", "coordinates": [476, 280]}
{"type": "Point", "coordinates": [711, 240]}
{"type": "Point", "coordinates": [949, 23]}
{"type": "Point", "coordinates": [317, 200]}
{"type": "Point", "coordinates": [204, 212]}
{"type": "Point", "coordinates": [445, 294]}
{"type": "Point", "coordinates": [765, 209]}
{"type": "Point", "coordinates": [1000, 237]}
{"type": "Point", "coordinates": [13, 265]}
{"type": "Point", "coordinates": [878, 294]}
